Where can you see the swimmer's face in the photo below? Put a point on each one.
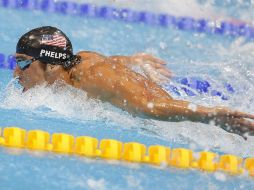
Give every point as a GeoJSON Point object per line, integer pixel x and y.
{"type": "Point", "coordinates": [32, 75]}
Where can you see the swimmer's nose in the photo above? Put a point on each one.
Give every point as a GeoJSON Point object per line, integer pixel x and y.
{"type": "Point", "coordinates": [17, 72]}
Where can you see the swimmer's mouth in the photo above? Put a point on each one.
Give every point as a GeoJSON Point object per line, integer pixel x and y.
{"type": "Point", "coordinates": [17, 78]}
{"type": "Point", "coordinates": [20, 79]}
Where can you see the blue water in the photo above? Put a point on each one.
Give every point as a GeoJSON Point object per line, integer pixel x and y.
{"type": "Point", "coordinates": [64, 109]}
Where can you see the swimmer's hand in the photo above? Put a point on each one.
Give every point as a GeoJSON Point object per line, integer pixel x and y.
{"type": "Point", "coordinates": [234, 121]}
{"type": "Point", "coordinates": [153, 67]}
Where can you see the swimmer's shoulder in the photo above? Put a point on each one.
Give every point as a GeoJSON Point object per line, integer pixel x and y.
{"type": "Point", "coordinates": [89, 55]}
{"type": "Point", "coordinates": [88, 60]}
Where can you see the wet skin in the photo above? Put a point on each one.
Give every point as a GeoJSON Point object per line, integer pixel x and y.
{"type": "Point", "coordinates": [111, 79]}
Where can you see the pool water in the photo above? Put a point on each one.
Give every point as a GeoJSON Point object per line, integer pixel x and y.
{"type": "Point", "coordinates": [214, 58]}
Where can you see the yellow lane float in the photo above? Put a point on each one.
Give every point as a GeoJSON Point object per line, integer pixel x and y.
{"type": "Point", "coordinates": [131, 151]}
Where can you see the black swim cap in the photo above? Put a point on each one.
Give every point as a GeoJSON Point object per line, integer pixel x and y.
{"type": "Point", "coordinates": [47, 44]}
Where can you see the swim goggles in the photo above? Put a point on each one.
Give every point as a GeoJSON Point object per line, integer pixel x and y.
{"type": "Point", "coordinates": [24, 64]}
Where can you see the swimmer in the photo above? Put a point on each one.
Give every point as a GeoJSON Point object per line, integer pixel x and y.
{"type": "Point", "coordinates": [45, 55]}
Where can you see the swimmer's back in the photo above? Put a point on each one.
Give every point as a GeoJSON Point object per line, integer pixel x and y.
{"type": "Point", "coordinates": [102, 77]}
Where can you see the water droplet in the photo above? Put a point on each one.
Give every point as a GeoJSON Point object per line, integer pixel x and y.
{"type": "Point", "coordinates": [192, 107]}
{"type": "Point", "coordinates": [150, 105]}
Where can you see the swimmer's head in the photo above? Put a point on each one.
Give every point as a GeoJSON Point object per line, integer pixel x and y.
{"type": "Point", "coordinates": [46, 44]}
{"type": "Point", "coordinates": [37, 51]}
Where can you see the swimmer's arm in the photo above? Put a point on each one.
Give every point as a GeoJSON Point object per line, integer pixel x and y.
{"type": "Point", "coordinates": [178, 110]}
{"type": "Point", "coordinates": [153, 67]}
{"type": "Point", "coordinates": [229, 120]}
{"type": "Point", "coordinates": [138, 59]}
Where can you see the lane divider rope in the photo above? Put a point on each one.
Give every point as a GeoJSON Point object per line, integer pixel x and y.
{"type": "Point", "coordinates": [185, 23]}
{"type": "Point", "coordinates": [110, 149]}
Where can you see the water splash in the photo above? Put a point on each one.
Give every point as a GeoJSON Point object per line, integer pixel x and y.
{"type": "Point", "coordinates": [60, 100]}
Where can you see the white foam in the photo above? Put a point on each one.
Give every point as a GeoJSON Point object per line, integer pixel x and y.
{"type": "Point", "coordinates": [63, 101]}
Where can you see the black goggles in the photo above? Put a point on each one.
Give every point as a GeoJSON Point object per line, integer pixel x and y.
{"type": "Point", "coordinates": [23, 64]}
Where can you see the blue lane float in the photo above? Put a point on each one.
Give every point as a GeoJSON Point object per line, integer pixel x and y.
{"type": "Point", "coordinates": [7, 62]}
{"type": "Point", "coordinates": [127, 15]}
{"type": "Point", "coordinates": [191, 86]}
{"type": "Point", "coordinates": [194, 86]}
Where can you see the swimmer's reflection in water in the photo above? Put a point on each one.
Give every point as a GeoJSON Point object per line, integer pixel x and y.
{"type": "Point", "coordinates": [45, 55]}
